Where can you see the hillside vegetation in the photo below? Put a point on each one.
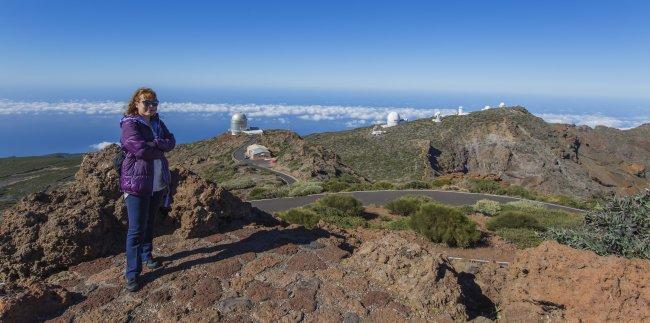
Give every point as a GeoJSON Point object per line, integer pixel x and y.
{"type": "Point", "coordinates": [510, 143]}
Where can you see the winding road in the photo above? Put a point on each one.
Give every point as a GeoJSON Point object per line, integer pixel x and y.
{"type": "Point", "coordinates": [367, 197]}
{"type": "Point", "coordinates": [239, 155]}
{"type": "Point", "coordinates": [382, 197]}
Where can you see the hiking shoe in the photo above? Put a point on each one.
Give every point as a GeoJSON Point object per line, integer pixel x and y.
{"type": "Point", "coordinates": [151, 264]}
{"type": "Point", "coordinates": [132, 285]}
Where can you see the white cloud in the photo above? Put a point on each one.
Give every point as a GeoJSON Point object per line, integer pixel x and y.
{"type": "Point", "coordinates": [102, 145]}
{"type": "Point", "coordinates": [283, 113]}
{"type": "Point", "coordinates": [593, 120]}
{"type": "Point", "coordinates": [355, 123]}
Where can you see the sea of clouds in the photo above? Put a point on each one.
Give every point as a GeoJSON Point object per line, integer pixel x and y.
{"type": "Point", "coordinates": [350, 116]}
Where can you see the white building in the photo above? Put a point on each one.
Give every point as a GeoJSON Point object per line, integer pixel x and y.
{"type": "Point", "coordinates": [376, 130]}
{"type": "Point", "coordinates": [437, 117]}
{"type": "Point", "coordinates": [461, 112]}
{"type": "Point", "coordinates": [239, 124]}
{"type": "Point", "coordinates": [502, 105]}
{"type": "Point", "coordinates": [256, 151]}
{"type": "Point", "coordinates": [487, 107]}
{"type": "Point", "coordinates": [393, 119]}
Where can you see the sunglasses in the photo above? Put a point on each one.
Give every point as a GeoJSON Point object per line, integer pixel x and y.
{"type": "Point", "coordinates": [150, 103]}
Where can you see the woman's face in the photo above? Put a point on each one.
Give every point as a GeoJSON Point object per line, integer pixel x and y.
{"type": "Point", "coordinates": [147, 106]}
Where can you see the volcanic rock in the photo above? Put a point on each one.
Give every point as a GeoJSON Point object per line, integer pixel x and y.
{"type": "Point", "coordinates": [33, 302]}
{"type": "Point", "coordinates": [48, 232]}
{"type": "Point", "coordinates": [556, 282]}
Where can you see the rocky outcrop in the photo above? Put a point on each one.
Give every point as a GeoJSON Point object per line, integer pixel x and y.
{"type": "Point", "coordinates": [510, 143]}
{"type": "Point", "coordinates": [48, 232]}
{"type": "Point", "coordinates": [303, 159]}
{"type": "Point", "coordinates": [200, 207]}
{"type": "Point", "coordinates": [559, 283]}
{"type": "Point", "coordinates": [32, 303]}
{"type": "Point", "coordinates": [432, 286]}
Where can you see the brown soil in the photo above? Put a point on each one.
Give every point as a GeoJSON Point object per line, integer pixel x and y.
{"type": "Point", "coordinates": [222, 262]}
{"type": "Point", "coordinates": [557, 282]}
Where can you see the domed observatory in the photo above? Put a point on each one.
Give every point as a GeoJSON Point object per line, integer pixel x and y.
{"type": "Point", "coordinates": [393, 119]}
{"type": "Point", "coordinates": [502, 105]}
{"type": "Point", "coordinates": [238, 123]}
{"type": "Point", "coordinates": [437, 118]}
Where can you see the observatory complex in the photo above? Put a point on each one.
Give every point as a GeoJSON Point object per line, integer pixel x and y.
{"type": "Point", "coordinates": [239, 124]}
{"type": "Point", "coordinates": [393, 119]}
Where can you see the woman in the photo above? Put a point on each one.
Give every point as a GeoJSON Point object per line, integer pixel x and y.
{"type": "Point", "coordinates": [144, 178]}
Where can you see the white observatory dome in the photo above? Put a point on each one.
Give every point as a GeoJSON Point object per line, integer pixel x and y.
{"type": "Point", "coordinates": [393, 119]}
{"type": "Point", "coordinates": [502, 105]}
{"type": "Point", "coordinates": [238, 123]}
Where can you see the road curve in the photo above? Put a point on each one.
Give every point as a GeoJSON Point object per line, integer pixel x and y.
{"type": "Point", "coordinates": [239, 155]}
{"type": "Point", "coordinates": [381, 197]}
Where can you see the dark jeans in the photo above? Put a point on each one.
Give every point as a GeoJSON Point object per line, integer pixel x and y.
{"type": "Point", "coordinates": [142, 212]}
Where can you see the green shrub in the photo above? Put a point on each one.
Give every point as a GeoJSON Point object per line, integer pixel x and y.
{"type": "Point", "coordinates": [578, 203]}
{"type": "Point", "coordinates": [398, 224]}
{"type": "Point", "coordinates": [383, 186]}
{"type": "Point", "coordinates": [478, 185]}
{"type": "Point", "coordinates": [514, 190]}
{"type": "Point", "coordinates": [465, 209]}
{"type": "Point", "coordinates": [440, 182]}
{"type": "Point", "coordinates": [514, 220]}
{"type": "Point", "coordinates": [622, 228]}
{"type": "Point", "coordinates": [301, 216]}
{"type": "Point", "coordinates": [523, 205]}
{"type": "Point", "coordinates": [487, 207]}
{"type": "Point", "coordinates": [346, 222]}
{"type": "Point", "coordinates": [257, 193]}
{"type": "Point", "coordinates": [342, 202]}
{"type": "Point", "coordinates": [415, 185]}
{"type": "Point", "coordinates": [444, 224]}
{"type": "Point", "coordinates": [238, 184]}
{"type": "Point", "coordinates": [406, 205]}
{"type": "Point", "coordinates": [304, 188]}
{"type": "Point", "coordinates": [521, 237]}
{"type": "Point", "coordinates": [334, 185]}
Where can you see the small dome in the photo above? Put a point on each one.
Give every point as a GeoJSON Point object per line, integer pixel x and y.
{"type": "Point", "coordinates": [238, 117]}
{"type": "Point", "coordinates": [393, 119]}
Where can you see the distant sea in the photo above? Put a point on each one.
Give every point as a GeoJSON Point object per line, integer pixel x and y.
{"type": "Point", "coordinates": [32, 125]}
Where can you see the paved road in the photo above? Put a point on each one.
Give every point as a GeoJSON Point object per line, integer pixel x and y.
{"type": "Point", "coordinates": [240, 155]}
{"type": "Point", "coordinates": [381, 197]}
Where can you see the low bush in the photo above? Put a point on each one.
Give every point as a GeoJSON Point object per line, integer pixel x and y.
{"type": "Point", "coordinates": [335, 186]}
{"type": "Point", "coordinates": [238, 184]}
{"type": "Point", "coordinates": [406, 205]}
{"type": "Point", "coordinates": [383, 186]}
{"type": "Point", "coordinates": [444, 224]}
{"type": "Point", "coordinates": [304, 188]}
{"type": "Point", "coordinates": [440, 182]}
{"type": "Point", "coordinates": [301, 216]}
{"type": "Point", "coordinates": [514, 190]}
{"type": "Point", "coordinates": [478, 185]}
{"type": "Point", "coordinates": [487, 207]}
{"type": "Point", "coordinates": [342, 202]}
{"type": "Point", "coordinates": [622, 228]}
{"type": "Point", "coordinates": [514, 220]}
{"type": "Point", "coordinates": [523, 205]}
{"type": "Point", "coordinates": [415, 185]}
{"type": "Point", "coordinates": [521, 237]}
{"type": "Point", "coordinates": [398, 224]}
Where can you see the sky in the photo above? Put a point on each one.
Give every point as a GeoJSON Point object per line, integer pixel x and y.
{"type": "Point", "coordinates": [67, 67]}
{"type": "Point", "coordinates": [558, 48]}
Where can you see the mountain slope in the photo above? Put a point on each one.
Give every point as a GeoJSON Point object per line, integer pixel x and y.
{"type": "Point", "coordinates": [511, 143]}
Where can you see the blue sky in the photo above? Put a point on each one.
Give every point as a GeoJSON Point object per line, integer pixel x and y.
{"type": "Point", "coordinates": [585, 49]}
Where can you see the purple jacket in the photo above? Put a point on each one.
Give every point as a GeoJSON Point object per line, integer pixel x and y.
{"type": "Point", "coordinates": [136, 176]}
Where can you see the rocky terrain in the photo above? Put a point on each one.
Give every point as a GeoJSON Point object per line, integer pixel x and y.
{"type": "Point", "coordinates": [61, 260]}
{"type": "Point", "coordinates": [212, 160]}
{"type": "Point", "coordinates": [510, 143]}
